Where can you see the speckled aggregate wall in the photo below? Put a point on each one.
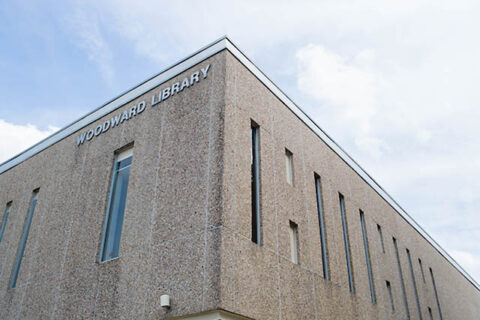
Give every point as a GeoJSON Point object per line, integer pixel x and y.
{"type": "Point", "coordinates": [261, 282]}
{"type": "Point", "coordinates": [170, 235]}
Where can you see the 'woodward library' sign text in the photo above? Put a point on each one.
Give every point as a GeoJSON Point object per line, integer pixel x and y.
{"type": "Point", "coordinates": [138, 108]}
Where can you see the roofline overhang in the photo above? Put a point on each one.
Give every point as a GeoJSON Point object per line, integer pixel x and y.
{"type": "Point", "coordinates": [206, 52]}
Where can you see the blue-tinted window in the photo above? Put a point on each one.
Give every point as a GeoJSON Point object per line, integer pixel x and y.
{"type": "Point", "coordinates": [5, 219]}
{"type": "Point", "coordinates": [116, 206]}
{"type": "Point", "coordinates": [414, 283]}
{"type": "Point", "coordinates": [255, 184]}
{"type": "Point", "coordinates": [400, 275]}
{"type": "Point", "coordinates": [367, 257]}
{"type": "Point", "coordinates": [436, 294]}
{"type": "Point", "coordinates": [23, 240]}
{"type": "Point", "coordinates": [347, 243]}
{"type": "Point", "coordinates": [321, 224]}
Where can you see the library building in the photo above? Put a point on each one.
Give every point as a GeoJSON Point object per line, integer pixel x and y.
{"type": "Point", "coordinates": [205, 193]}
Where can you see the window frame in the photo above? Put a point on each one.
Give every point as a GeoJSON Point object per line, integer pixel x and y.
{"type": "Point", "coordinates": [289, 174]}
{"type": "Point", "coordinates": [6, 213]}
{"type": "Point", "coordinates": [23, 240]}
{"type": "Point", "coordinates": [367, 257]}
{"type": "Point", "coordinates": [255, 185]}
{"type": "Point", "coordinates": [321, 225]}
{"type": "Point", "coordinates": [346, 240]}
{"type": "Point", "coordinates": [294, 242]}
{"type": "Point", "coordinates": [120, 155]}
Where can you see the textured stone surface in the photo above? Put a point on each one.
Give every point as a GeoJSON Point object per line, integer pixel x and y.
{"type": "Point", "coordinates": [299, 291]}
{"type": "Point", "coordinates": [170, 236]}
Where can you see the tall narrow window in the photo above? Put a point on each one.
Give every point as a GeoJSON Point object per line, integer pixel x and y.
{"type": "Point", "coordinates": [436, 294]}
{"type": "Point", "coordinates": [4, 220]}
{"type": "Point", "coordinates": [414, 285]}
{"type": "Point", "coordinates": [255, 172]}
{"type": "Point", "coordinates": [23, 240]}
{"type": "Point", "coordinates": [367, 256]}
{"type": "Point", "coordinates": [346, 242]}
{"type": "Point", "coordinates": [421, 269]}
{"type": "Point", "coordinates": [390, 296]}
{"type": "Point", "coordinates": [402, 284]}
{"type": "Point", "coordinates": [289, 166]}
{"type": "Point", "coordinates": [380, 238]}
{"type": "Point", "coordinates": [321, 223]}
{"type": "Point", "coordinates": [294, 241]}
{"type": "Point", "coordinates": [430, 313]}
{"type": "Point", "coordinates": [116, 206]}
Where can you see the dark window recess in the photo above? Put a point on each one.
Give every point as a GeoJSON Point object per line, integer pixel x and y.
{"type": "Point", "coordinates": [390, 296]}
{"type": "Point", "coordinates": [346, 243]}
{"type": "Point", "coordinates": [5, 219]}
{"type": "Point", "coordinates": [436, 294]}
{"type": "Point", "coordinates": [380, 238]}
{"type": "Point", "coordinates": [367, 257]}
{"type": "Point", "coordinates": [321, 223]}
{"type": "Point", "coordinates": [414, 283]}
{"type": "Point", "coordinates": [402, 283]}
{"type": "Point", "coordinates": [23, 240]}
{"type": "Point", "coordinates": [255, 184]}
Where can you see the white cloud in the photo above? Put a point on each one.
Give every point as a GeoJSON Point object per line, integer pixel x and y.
{"type": "Point", "coordinates": [16, 138]}
{"type": "Point", "coordinates": [87, 34]}
{"type": "Point", "coordinates": [345, 86]}
{"type": "Point", "coordinates": [468, 261]}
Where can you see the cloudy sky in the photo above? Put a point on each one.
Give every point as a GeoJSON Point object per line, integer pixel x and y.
{"type": "Point", "coordinates": [396, 83]}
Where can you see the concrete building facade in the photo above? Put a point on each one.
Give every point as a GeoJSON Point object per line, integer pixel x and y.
{"type": "Point", "coordinates": [206, 183]}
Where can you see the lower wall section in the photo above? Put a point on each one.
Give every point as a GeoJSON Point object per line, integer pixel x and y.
{"type": "Point", "coordinates": [129, 287]}
{"type": "Point", "coordinates": [260, 284]}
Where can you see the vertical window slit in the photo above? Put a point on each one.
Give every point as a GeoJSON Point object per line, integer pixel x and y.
{"type": "Point", "coordinates": [321, 222]}
{"type": "Point", "coordinates": [5, 219]}
{"type": "Point", "coordinates": [390, 296]}
{"type": "Point", "coordinates": [23, 240]}
{"type": "Point", "coordinates": [402, 284]}
{"type": "Point", "coordinates": [289, 166]}
{"type": "Point", "coordinates": [294, 244]}
{"type": "Point", "coordinates": [346, 243]}
{"type": "Point", "coordinates": [430, 313]}
{"type": "Point", "coordinates": [421, 269]}
{"type": "Point", "coordinates": [380, 238]}
{"type": "Point", "coordinates": [116, 206]}
{"type": "Point", "coordinates": [412, 274]}
{"type": "Point", "coordinates": [255, 183]}
{"type": "Point", "coordinates": [367, 257]}
{"type": "Point", "coordinates": [436, 294]}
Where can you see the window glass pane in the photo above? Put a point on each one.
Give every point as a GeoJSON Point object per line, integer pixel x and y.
{"type": "Point", "coordinates": [289, 166]}
{"type": "Point", "coordinates": [414, 283]}
{"type": "Point", "coordinates": [380, 238]}
{"type": "Point", "coordinates": [390, 296]}
{"type": "Point", "coordinates": [321, 223]}
{"type": "Point", "coordinates": [346, 243]}
{"type": "Point", "coordinates": [294, 241]}
{"type": "Point", "coordinates": [116, 209]}
{"type": "Point", "coordinates": [23, 240]}
{"type": "Point", "coordinates": [436, 294]}
{"type": "Point", "coordinates": [255, 183]}
{"type": "Point", "coordinates": [367, 256]}
{"type": "Point", "coordinates": [4, 220]}
{"type": "Point", "coordinates": [400, 275]}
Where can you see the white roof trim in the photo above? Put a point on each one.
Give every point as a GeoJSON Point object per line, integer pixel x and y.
{"type": "Point", "coordinates": [190, 61]}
